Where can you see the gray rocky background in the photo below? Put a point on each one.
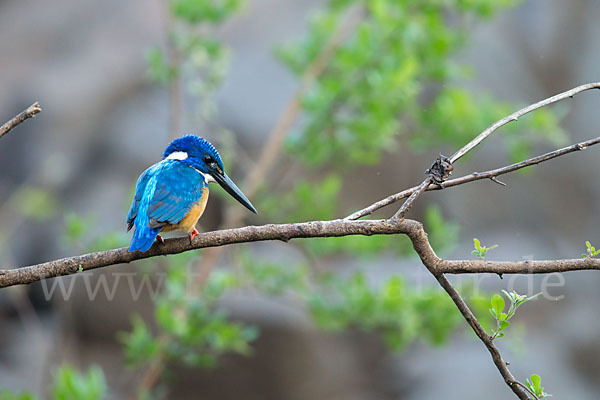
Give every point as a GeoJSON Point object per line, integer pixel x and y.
{"type": "Point", "coordinates": [103, 123]}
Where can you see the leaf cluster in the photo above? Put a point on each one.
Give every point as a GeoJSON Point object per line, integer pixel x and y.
{"type": "Point", "coordinates": [481, 251]}
{"type": "Point", "coordinates": [590, 251]}
{"type": "Point", "coordinates": [497, 310]}
{"type": "Point", "coordinates": [534, 384]}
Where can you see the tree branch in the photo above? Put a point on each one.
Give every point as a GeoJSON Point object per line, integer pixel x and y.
{"type": "Point", "coordinates": [487, 132]}
{"type": "Point", "coordinates": [475, 176]}
{"type": "Point", "coordinates": [419, 190]}
{"type": "Point", "coordinates": [28, 113]}
{"type": "Point", "coordinates": [516, 115]}
{"type": "Point", "coordinates": [510, 380]}
{"type": "Point", "coordinates": [285, 232]}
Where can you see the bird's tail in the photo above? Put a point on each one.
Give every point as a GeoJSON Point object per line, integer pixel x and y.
{"type": "Point", "coordinates": [143, 238]}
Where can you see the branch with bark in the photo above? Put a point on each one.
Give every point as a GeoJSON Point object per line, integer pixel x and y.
{"type": "Point", "coordinates": [351, 225]}
{"type": "Point", "coordinates": [29, 112]}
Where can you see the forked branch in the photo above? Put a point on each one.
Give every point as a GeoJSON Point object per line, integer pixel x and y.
{"type": "Point", "coordinates": [475, 176]}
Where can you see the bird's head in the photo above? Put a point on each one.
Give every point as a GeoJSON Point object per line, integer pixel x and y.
{"type": "Point", "coordinates": [200, 154]}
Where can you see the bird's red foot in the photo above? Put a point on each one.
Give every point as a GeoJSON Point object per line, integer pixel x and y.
{"type": "Point", "coordinates": [160, 239]}
{"type": "Point", "coordinates": [193, 234]}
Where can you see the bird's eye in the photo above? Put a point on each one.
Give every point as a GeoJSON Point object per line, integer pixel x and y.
{"type": "Point", "coordinates": [213, 165]}
{"type": "Point", "coordinates": [208, 159]}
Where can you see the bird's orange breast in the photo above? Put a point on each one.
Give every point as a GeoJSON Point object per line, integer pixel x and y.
{"type": "Point", "coordinates": [188, 223]}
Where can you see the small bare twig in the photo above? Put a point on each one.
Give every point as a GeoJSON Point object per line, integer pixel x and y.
{"type": "Point", "coordinates": [475, 176]}
{"type": "Point", "coordinates": [413, 197]}
{"type": "Point", "coordinates": [30, 112]}
{"type": "Point", "coordinates": [439, 171]}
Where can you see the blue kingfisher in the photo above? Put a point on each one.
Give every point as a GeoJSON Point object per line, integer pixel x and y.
{"type": "Point", "coordinates": [172, 194]}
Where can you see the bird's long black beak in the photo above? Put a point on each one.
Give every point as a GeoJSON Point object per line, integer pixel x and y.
{"type": "Point", "coordinates": [232, 189]}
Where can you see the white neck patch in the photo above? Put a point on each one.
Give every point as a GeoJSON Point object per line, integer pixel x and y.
{"type": "Point", "coordinates": [208, 178]}
{"type": "Point", "coordinates": [178, 155]}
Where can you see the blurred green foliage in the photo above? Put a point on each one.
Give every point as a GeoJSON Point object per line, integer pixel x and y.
{"type": "Point", "coordinates": [69, 384]}
{"type": "Point", "coordinates": [194, 56]}
{"type": "Point", "coordinates": [191, 328]}
{"type": "Point", "coordinates": [396, 75]}
{"type": "Point", "coordinates": [35, 203]}
{"type": "Point", "coordinates": [204, 11]}
{"type": "Point", "coordinates": [399, 313]}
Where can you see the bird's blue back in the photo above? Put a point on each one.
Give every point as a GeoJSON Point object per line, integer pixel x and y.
{"type": "Point", "coordinates": [164, 194]}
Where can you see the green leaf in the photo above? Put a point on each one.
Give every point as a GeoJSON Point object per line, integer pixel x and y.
{"type": "Point", "coordinates": [529, 386]}
{"type": "Point", "coordinates": [477, 244]}
{"type": "Point", "coordinates": [503, 325]}
{"type": "Point", "coordinates": [509, 296]}
{"type": "Point", "coordinates": [536, 382]}
{"type": "Point", "coordinates": [520, 301]}
{"type": "Point", "coordinates": [498, 304]}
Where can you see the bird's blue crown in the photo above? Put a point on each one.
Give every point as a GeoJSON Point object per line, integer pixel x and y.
{"type": "Point", "coordinates": [196, 149]}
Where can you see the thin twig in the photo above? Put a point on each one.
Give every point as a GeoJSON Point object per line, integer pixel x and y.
{"type": "Point", "coordinates": [481, 334]}
{"type": "Point", "coordinates": [488, 131]}
{"type": "Point", "coordinates": [491, 174]}
{"type": "Point", "coordinates": [31, 111]}
{"type": "Point", "coordinates": [516, 115]}
{"type": "Point", "coordinates": [412, 198]}
{"type": "Point", "coordinates": [527, 389]}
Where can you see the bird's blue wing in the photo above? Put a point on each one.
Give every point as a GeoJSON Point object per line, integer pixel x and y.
{"type": "Point", "coordinates": [178, 188]}
{"type": "Point", "coordinates": [165, 193]}
{"type": "Point", "coordinates": [140, 186]}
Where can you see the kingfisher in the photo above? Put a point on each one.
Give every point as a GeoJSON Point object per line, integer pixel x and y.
{"type": "Point", "coordinates": [172, 194]}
